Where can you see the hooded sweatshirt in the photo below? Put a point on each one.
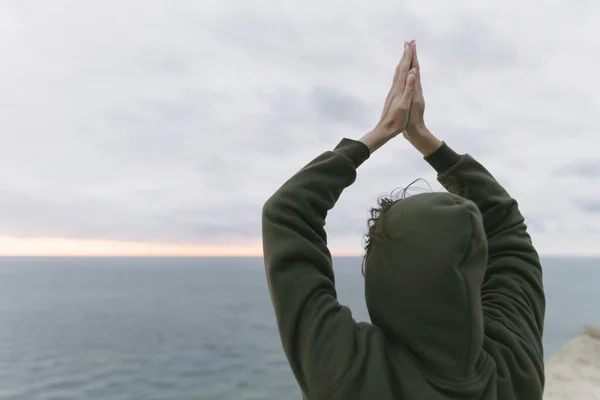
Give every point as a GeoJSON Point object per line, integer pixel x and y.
{"type": "Point", "coordinates": [453, 287]}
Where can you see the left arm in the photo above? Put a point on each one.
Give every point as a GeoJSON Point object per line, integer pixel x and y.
{"type": "Point", "coordinates": [319, 335]}
{"type": "Point", "coordinates": [320, 338]}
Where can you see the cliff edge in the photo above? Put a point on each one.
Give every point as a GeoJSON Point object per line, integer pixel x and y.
{"type": "Point", "coordinates": [574, 371]}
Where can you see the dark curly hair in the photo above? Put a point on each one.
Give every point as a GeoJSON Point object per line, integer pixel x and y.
{"type": "Point", "coordinates": [383, 205]}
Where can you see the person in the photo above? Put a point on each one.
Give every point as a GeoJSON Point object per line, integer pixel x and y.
{"type": "Point", "coordinates": [453, 284]}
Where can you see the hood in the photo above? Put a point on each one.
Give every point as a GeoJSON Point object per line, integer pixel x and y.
{"type": "Point", "coordinates": [423, 277]}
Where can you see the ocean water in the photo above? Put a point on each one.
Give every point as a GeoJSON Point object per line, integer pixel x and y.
{"type": "Point", "coordinates": [186, 328]}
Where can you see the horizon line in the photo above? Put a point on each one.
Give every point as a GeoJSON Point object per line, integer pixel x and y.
{"type": "Point", "coordinates": [66, 247]}
{"type": "Point", "coordinates": [548, 255]}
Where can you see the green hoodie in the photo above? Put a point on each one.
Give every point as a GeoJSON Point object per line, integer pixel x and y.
{"type": "Point", "coordinates": [453, 286]}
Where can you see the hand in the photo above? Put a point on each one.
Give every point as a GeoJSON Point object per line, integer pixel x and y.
{"type": "Point", "coordinates": [416, 132]}
{"type": "Point", "coordinates": [416, 122]}
{"type": "Point", "coordinates": [394, 117]}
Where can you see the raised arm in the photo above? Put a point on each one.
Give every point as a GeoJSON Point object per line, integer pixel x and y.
{"type": "Point", "coordinates": [319, 336]}
{"type": "Point", "coordinates": [512, 292]}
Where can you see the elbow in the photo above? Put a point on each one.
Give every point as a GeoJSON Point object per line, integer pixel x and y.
{"type": "Point", "coordinates": [269, 206]}
{"type": "Point", "coordinates": [272, 209]}
{"type": "Point", "coordinates": [278, 201]}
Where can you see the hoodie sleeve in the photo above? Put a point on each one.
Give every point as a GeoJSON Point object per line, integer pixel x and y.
{"type": "Point", "coordinates": [512, 292]}
{"type": "Point", "coordinates": [319, 336]}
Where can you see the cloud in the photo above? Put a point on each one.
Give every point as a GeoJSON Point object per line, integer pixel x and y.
{"type": "Point", "coordinates": [334, 106]}
{"type": "Point", "coordinates": [588, 169]}
{"type": "Point", "coordinates": [174, 122]}
{"type": "Point", "coordinates": [588, 206]}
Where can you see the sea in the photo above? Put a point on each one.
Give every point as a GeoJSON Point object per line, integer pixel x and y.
{"type": "Point", "coordinates": [187, 328]}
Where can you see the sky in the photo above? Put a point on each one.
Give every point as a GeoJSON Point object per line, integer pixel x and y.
{"type": "Point", "coordinates": [161, 127]}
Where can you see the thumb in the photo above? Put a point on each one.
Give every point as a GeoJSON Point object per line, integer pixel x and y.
{"type": "Point", "coordinates": [409, 89]}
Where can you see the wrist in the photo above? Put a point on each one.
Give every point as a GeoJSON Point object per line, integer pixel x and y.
{"type": "Point", "coordinates": [424, 141]}
{"type": "Point", "coordinates": [374, 139]}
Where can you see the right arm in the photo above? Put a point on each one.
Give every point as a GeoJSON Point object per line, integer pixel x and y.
{"type": "Point", "coordinates": [512, 292]}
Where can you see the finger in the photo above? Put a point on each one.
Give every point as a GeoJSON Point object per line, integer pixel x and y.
{"type": "Point", "coordinates": [415, 60]}
{"type": "Point", "coordinates": [403, 69]}
{"type": "Point", "coordinates": [397, 73]}
{"type": "Point", "coordinates": [404, 65]}
{"type": "Point", "coordinates": [409, 90]}
{"type": "Point", "coordinates": [417, 66]}
{"type": "Point", "coordinates": [394, 86]}
{"type": "Point", "coordinates": [418, 85]}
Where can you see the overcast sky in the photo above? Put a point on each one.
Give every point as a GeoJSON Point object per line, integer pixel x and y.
{"type": "Point", "coordinates": [173, 121]}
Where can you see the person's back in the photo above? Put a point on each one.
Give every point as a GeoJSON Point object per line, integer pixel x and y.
{"type": "Point", "coordinates": [452, 282]}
